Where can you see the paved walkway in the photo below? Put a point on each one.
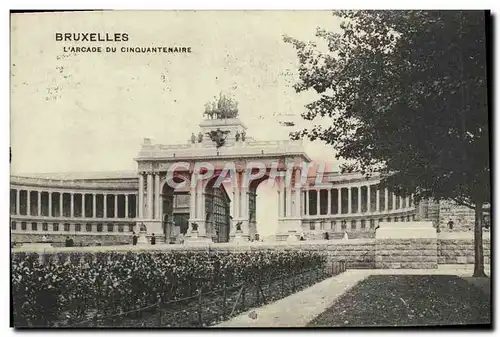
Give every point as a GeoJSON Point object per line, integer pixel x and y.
{"type": "Point", "coordinates": [300, 308]}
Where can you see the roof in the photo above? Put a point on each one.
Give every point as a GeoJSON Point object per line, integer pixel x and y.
{"type": "Point", "coordinates": [89, 175]}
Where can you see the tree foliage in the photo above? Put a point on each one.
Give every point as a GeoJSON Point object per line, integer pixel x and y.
{"type": "Point", "coordinates": [406, 93]}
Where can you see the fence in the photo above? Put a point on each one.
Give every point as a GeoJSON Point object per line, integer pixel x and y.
{"type": "Point", "coordinates": [209, 308]}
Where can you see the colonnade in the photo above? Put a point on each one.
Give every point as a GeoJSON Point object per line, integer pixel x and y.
{"type": "Point", "coordinates": [72, 204]}
{"type": "Point", "coordinates": [347, 200]}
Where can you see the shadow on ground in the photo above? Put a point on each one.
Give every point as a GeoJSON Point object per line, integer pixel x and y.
{"type": "Point", "coordinates": [410, 300]}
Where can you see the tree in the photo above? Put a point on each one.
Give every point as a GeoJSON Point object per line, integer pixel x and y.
{"type": "Point", "coordinates": [406, 95]}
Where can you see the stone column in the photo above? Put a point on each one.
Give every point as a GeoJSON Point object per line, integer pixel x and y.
{"type": "Point", "coordinates": [72, 205]}
{"type": "Point", "coordinates": [126, 205]}
{"type": "Point", "coordinates": [368, 199]}
{"type": "Point", "coordinates": [39, 203]}
{"type": "Point", "coordinates": [244, 203]}
{"type": "Point", "coordinates": [386, 203]}
{"type": "Point", "coordinates": [61, 204]}
{"type": "Point", "coordinates": [318, 201]}
{"type": "Point", "coordinates": [150, 214]}
{"type": "Point", "coordinates": [349, 200]}
{"type": "Point", "coordinates": [105, 205]}
{"type": "Point", "coordinates": [140, 200]}
{"type": "Point", "coordinates": [359, 199]}
{"type": "Point", "coordinates": [94, 205]}
{"type": "Point", "coordinates": [282, 195]}
{"type": "Point", "coordinates": [116, 205]}
{"type": "Point", "coordinates": [339, 200]}
{"type": "Point", "coordinates": [157, 196]}
{"type": "Point", "coordinates": [83, 205]}
{"type": "Point", "coordinates": [18, 202]}
{"type": "Point", "coordinates": [393, 201]}
{"type": "Point", "coordinates": [329, 206]}
{"type": "Point", "coordinates": [192, 202]}
{"type": "Point", "coordinates": [50, 203]}
{"type": "Point", "coordinates": [201, 206]}
{"type": "Point", "coordinates": [298, 193]}
{"type": "Point", "coordinates": [28, 202]}
{"type": "Point", "coordinates": [288, 191]}
{"type": "Point", "coordinates": [307, 211]}
{"type": "Point", "coordinates": [377, 201]}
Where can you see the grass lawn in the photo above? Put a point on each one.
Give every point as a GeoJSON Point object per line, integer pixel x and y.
{"type": "Point", "coordinates": [409, 300]}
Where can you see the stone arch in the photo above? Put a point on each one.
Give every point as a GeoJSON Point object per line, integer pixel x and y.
{"type": "Point", "coordinates": [174, 222]}
{"type": "Point", "coordinates": [217, 210]}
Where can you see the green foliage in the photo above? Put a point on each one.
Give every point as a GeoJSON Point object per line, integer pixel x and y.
{"type": "Point", "coordinates": [109, 283]}
{"type": "Point", "coordinates": [406, 94]}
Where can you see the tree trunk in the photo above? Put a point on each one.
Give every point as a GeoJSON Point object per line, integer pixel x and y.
{"type": "Point", "coordinates": [478, 241]}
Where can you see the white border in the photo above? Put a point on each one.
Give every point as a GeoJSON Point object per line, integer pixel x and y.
{"type": "Point", "coordinates": [186, 4]}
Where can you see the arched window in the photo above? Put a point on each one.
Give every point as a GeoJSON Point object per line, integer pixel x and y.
{"type": "Point", "coordinates": [353, 225]}
{"type": "Point", "coordinates": [55, 227]}
{"type": "Point", "coordinates": [78, 227]}
{"type": "Point", "coordinates": [88, 227]}
{"type": "Point", "coordinates": [363, 224]}
{"type": "Point", "coordinates": [66, 227]}
{"type": "Point", "coordinates": [23, 226]}
{"type": "Point", "coordinates": [372, 223]}
{"type": "Point", "coordinates": [110, 227]}
{"type": "Point", "coordinates": [34, 226]}
{"type": "Point", "coordinates": [99, 227]}
{"type": "Point", "coordinates": [450, 224]}
{"type": "Point", "coordinates": [13, 225]}
{"type": "Point", "coordinates": [45, 226]}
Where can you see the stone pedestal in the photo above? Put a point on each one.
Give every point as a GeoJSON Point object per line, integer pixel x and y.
{"type": "Point", "coordinates": [406, 245]}
{"type": "Point", "coordinates": [36, 245]}
{"type": "Point", "coordinates": [195, 239]}
{"type": "Point", "coordinates": [292, 237]}
{"type": "Point", "coordinates": [239, 238]}
{"type": "Point", "coordinates": [142, 239]}
{"type": "Point", "coordinates": [152, 226]}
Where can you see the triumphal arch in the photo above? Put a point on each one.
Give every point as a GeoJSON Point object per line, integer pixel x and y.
{"type": "Point", "coordinates": [219, 164]}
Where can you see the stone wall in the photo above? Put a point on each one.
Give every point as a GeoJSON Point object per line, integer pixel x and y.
{"type": "Point", "coordinates": [445, 211]}
{"type": "Point", "coordinates": [358, 253]}
{"type": "Point", "coordinates": [462, 217]}
{"type": "Point", "coordinates": [81, 239]}
{"type": "Point", "coordinates": [461, 251]}
{"type": "Point", "coordinates": [406, 253]}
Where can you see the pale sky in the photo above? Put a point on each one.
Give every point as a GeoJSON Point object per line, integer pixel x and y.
{"type": "Point", "coordinates": [90, 112]}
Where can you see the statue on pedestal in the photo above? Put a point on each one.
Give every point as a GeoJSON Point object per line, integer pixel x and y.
{"type": "Point", "coordinates": [237, 136]}
{"type": "Point", "coordinates": [238, 226]}
{"type": "Point", "coordinates": [193, 138]}
{"type": "Point", "coordinates": [243, 135]}
{"type": "Point", "coordinates": [194, 227]}
{"type": "Point", "coordinates": [200, 137]}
